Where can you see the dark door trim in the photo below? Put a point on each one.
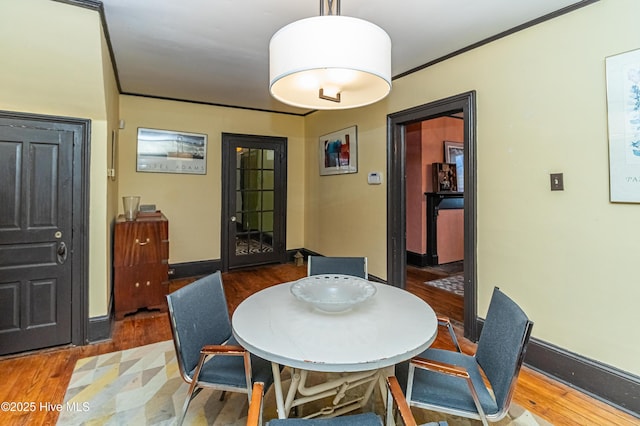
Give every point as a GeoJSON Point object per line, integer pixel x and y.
{"type": "Point", "coordinates": [81, 129]}
{"type": "Point", "coordinates": [396, 194]}
{"type": "Point", "coordinates": [280, 202]}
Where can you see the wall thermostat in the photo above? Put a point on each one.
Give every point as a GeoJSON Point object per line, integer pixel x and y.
{"type": "Point", "coordinates": [374, 178]}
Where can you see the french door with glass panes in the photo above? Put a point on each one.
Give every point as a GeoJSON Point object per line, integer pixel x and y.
{"type": "Point", "coordinates": [254, 200]}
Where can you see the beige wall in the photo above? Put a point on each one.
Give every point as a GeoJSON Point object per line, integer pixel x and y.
{"type": "Point", "coordinates": [344, 216]}
{"type": "Point", "coordinates": [53, 64]}
{"type": "Point", "coordinates": [192, 203]}
{"type": "Point", "coordinates": [112, 102]}
{"type": "Point", "coordinates": [569, 258]}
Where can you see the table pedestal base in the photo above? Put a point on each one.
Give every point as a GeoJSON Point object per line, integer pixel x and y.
{"type": "Point", "coordinates": [300, 392]}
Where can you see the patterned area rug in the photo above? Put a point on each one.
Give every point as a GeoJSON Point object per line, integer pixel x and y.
{"type": "Point", "coordinates": [453, 284]}
{"type": "Point", "coordinates": [142, 386]}
{"type": "Point", "coordinates": [252, 246]}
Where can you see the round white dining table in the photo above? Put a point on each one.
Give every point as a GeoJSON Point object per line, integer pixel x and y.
{"type": "Point", "coordinates": [392, 326]}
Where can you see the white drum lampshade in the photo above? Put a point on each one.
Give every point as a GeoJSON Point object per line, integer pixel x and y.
{"type": "Point", "coordinates": [330, 62]}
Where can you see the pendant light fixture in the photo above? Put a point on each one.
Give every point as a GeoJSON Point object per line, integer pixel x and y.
{"type": "Point", "coordinates": [330, 61]}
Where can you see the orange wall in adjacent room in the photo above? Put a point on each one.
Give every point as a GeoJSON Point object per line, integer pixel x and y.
{"type": "Point", "coordinates": [450, 235]}
{"type": "Point", "coordinates": [425, 145]}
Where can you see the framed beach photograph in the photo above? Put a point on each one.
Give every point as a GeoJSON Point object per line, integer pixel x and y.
{"type": "Point", "coordinates": [338, 152]}
{"type": "Point", "coordinates": [623, 110]}
{"type": "Point", "coordinates": [165, 151]}
{"type": "Point", "coordinates": [454, 154]}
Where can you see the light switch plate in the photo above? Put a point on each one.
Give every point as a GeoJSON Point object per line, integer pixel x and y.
{"type": "Point", "coordinates": [557, 182]}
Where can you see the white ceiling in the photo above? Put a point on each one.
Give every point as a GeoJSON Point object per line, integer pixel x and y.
{"type": "Point", "coordinates": [216, 51]}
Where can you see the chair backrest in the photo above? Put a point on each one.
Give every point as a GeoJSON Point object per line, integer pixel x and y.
{"type": "Point", "coordinates": [502, 345]}
{"type": "Point", "coordinates": [355, 266]}
{"type": "Point", "coordinates": [199, 316]}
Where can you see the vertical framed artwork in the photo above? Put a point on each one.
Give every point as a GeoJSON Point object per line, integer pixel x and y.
{"type": "Point", "coordinates": [338, 152]}
{"type": "Point", "coordinates": [454, 154]}
{"type": "Point", "coordinates": [623, 114]}
{"type": "Point", "coordinates": [444, 177]}
{"type": "Point", "coordinates": [165, 151]}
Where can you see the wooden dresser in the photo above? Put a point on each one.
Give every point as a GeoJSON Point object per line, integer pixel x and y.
{"type": "Point", "coordinates": [141, 263]}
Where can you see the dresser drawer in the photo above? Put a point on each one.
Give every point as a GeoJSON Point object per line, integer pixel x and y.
{"type": "Point", "coordinates": [138, 287]}
{"type": "Point", "coordinates": [141, 242]}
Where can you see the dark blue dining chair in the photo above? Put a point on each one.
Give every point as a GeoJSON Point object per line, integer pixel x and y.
{"type": "Point", "coordinates": [354, 266]}
{"type": "Point", "coordinates": [207, 353]}
{"type": "Point", "coordinates": [451, 381]}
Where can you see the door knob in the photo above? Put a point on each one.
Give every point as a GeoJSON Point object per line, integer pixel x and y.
{"type": "Point", "coordinates": [62, 252]}
{"type": "Point", "coordinates": [233, 218]}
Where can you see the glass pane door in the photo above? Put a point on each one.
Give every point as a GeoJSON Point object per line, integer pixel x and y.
{"type": "Point", "coordinates": [254, 193]}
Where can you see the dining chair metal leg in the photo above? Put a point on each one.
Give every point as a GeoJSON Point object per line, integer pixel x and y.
{"type": "Point", "coordinates": [193, 389]}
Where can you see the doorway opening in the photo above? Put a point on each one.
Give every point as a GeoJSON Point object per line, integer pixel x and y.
{"type": "Point", "coordinates": [435, 212]}
{"type": "Point", "coordinates": [463, 104]}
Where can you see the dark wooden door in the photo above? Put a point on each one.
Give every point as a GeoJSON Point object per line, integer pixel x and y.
{"type": "Point", "coordinates": [36, 214]}
{"type": "Point", "coordinates": [254, 200]}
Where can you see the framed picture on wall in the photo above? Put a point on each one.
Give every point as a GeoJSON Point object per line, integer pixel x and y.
{"type": "Point", "coordinates": [444, 177]}
{"type": "Point", "coordinates": [165, 151]}
{"type": "Point", "coordinates": [338, 152]}
{"type": "Point", "coordinates": [454, 154]}
{"type": "Point", "coordinates": [623, 109]}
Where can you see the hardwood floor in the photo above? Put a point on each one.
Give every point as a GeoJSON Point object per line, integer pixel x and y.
{"type": "Point", "coordinates": [42, 377]}
{"type": "Point", "coordinates": [443, 302]}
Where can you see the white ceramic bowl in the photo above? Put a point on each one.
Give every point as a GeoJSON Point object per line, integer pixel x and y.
{"type": "Point", "coordinates": [333, 293]}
